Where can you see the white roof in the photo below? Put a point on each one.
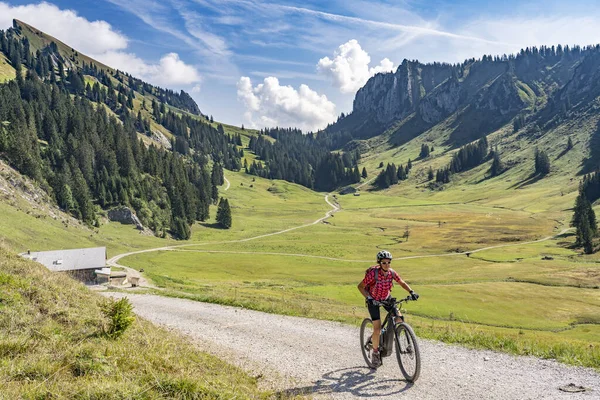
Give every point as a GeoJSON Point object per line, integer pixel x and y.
{"type": "Point", "coordinates": [70, 260]}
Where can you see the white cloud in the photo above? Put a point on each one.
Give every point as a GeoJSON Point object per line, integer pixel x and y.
{"type": "Point", "coordinates": [65, 25]}
{"type": "Point", "coordinates": [196, 88]}
{"type": "Point", "coordinates": [170, 70]}
{"type": "Point", "coordinates": [270, 104]}
{"type": "Point", "coordinates": [100, 41]}
{"type": "Point", "coordinates": [349, 67]}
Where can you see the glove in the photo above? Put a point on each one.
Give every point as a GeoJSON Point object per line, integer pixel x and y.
{"type": "Point", "coordinates": [414, 295]}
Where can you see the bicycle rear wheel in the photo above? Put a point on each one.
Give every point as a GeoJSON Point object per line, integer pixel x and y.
{"type": "Point", "coordinates": [366, 346]}
{"type": "Point", "coordinates": [407, 352]}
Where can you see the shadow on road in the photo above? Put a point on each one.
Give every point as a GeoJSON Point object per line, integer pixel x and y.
{"type": "Point", "coordinates": [359, 381]}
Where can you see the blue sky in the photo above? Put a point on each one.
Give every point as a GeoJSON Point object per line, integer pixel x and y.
{"type": "Point", "coordinates": [288, 62]}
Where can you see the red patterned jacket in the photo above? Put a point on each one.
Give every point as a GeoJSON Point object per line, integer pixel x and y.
{"type": "Point", "coordinates": [385, 282]}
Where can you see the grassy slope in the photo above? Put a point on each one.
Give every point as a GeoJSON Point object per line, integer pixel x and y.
{"type": "Point", "coordinates": [51, 346]}
{"type": "Point", "coordinates": [7, 72]}
{"type": "Point", "coordinates": [39, 40]}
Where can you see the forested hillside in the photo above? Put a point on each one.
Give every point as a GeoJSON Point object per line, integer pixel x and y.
{"type": "Point", "coordinates": [77, 129]}
{"type": "Point", "coordinates": [302, 159]}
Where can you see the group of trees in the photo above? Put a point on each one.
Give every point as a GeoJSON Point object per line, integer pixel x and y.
{"type": "Point", "coordinates": [584, 218]}
{"type": "Point", "coordinates": [467, 157]}
{"type": "Point", "coordinates": [299, 158]}
{"type": "Point", "coordinates": [391, 175]}
{"type": "Point", "coordinates": [425, 151]}
{"type": "Point", "coordinates": [86, 159]}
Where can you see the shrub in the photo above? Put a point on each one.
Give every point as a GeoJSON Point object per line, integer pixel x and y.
{"type": "Point", "coordinates": [120, 317]}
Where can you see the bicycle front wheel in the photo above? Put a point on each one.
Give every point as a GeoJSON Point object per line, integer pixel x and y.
{"type": "Point", "coordinates": [407, 352]}
{"type": "Point", "coordinates": [366, 346]}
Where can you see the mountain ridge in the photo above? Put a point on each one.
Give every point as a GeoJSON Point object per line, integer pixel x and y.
{"type": "Point", "coordinates": [482, 95]}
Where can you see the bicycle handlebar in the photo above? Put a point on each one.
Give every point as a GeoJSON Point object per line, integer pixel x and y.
{"type": "Point", "coordinates": [391, 301]}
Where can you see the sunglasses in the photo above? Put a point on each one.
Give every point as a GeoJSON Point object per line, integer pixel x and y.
{"type": "Point", "coordinates": [386, 262]}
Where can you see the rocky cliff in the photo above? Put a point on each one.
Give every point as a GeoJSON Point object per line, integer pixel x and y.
{"type": "Point", "coordinates": [388, 97]}
{"type": "Point", "coordinates": [480, 95]}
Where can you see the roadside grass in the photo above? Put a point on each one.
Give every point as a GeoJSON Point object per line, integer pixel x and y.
{"type": "Point", "coordinates": [52, 346]}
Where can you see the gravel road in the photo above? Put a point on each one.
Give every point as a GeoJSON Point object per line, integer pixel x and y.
{"type": "Point", "coordinates": [299, 355]}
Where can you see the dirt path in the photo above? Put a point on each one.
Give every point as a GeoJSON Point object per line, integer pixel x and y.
{"type": "Point", "coordinates": [228, 184]}
{"type": "Point", "coordinates": [299, 355]}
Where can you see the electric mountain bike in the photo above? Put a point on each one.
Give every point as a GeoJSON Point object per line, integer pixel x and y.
{"type": "Point", "coordinates": [393, 334]}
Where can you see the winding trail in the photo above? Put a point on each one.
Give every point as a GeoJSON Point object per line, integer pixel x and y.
{"type": "Point", "coordinates": [366, 182]}
{"type": "Point", "coordinates": [114, 261]}
{"type": "Point", "coordinates": [228, 184]}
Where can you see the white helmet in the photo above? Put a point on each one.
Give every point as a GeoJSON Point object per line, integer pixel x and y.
{"type": "Point", "coordinates": [383, 254]}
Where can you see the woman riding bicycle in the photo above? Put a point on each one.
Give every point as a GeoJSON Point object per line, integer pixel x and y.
{"type": "Point", "coordinates": [376, 287]}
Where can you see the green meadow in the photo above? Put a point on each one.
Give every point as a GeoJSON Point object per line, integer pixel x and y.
{"type": "Point", "coordinates": [521, 295]}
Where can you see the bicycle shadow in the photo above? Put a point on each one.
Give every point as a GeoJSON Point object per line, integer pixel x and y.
{"type": "Point", "coordinates": [359, 381]}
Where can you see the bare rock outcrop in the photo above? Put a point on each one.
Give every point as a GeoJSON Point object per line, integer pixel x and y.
{"type": "Point", "coordinates": [125, 215]}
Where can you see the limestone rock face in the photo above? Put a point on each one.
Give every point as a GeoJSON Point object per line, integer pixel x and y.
{"type": "Point", "coordinates": [125, 215]}
{"type": "Point", "coordinates": [501, 96]}
{"type": "Point", "coordinates": [161, 139]}
{"type": "Point", "coordinates": [442, 102]}
{"type": "Point", "coordinates": [389, 97]}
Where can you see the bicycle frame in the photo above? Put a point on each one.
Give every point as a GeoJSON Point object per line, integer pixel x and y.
{"type": "Point", "coordinates": [387, 339]}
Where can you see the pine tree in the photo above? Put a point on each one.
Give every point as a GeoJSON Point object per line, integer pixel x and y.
{"type": "Point", "coordinates": [355, 175]}
{"type": "Point", "coordinates": [217, 178]}
{"type": "Point", "coordinates": [402, 173]}
{"type": "Point", "coordinates": [66, 199]}
{"type": "Point", "coordinates": [224, 214]}
{"type": "Point", "coordinates": [496, 168]}
{"type": "Point", "coordinates": [584, 220]}
{"type": "Point", "coordinates": [430, 174]}
{"type": "Point", "coordinates": [584, 236]}
{"type": "Point", "coordinates": [569, 144]}
{"type": "Point", "coordinates": [364, 173]}
{"type": "Point", "coordinates": [542, 163]}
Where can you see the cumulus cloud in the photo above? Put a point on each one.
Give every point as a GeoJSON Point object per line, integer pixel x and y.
{"type": "Point", "coordinates": [65, 25]}
{"type": "Point", "coordinates": [270, 104]}
{"type": "Point", "coordinates": [170, 70]}
{"type": "Point", "coordinates": [100, 41]}
{"type": "Point", "coordinates": [349, 68]}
